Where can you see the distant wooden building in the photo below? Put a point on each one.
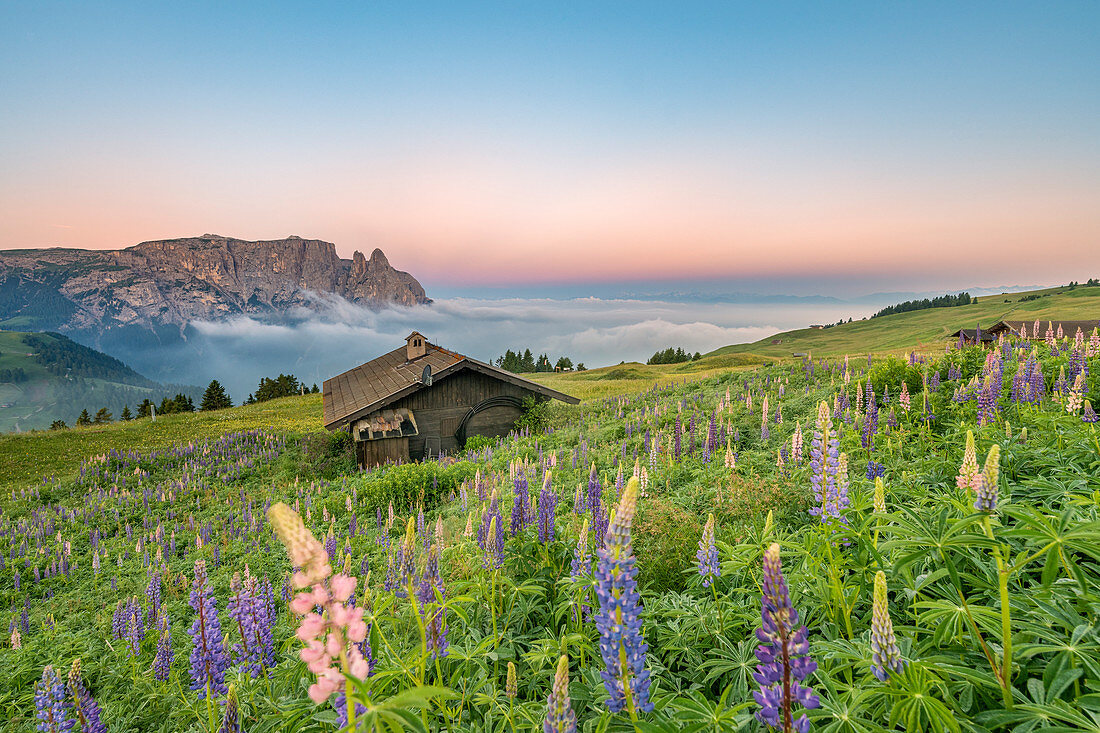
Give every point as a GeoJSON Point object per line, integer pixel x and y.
{"type": "Point", "coordinates": [422, 400]}
{"type": "Point", "coordinates": [1026, 329]}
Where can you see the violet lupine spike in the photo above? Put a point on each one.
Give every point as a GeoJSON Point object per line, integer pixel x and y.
{"type": "Point", "coordinates": [548, 505]}
{"type": "Point", "coordinates": [51, 703]}
{"type": "Point", "coordinates": [231, 721]}
{"type": "Point", "coordinates": [432, 594]}
{"type": "Point", "coordinates": [520, 504]}
{"type": "Point", "coordinates": [824, 463]}
{"type": "Point", "coordinates": [560, 717]}
{"type": "Point", "coordinates": [622, 644]}
{"type": "Point", "coordinates": [85, 709]}
{"type": "Point", "coordinates": [162, 662]}
{"type": "Point", "coordinates": [783, 654]}
{"type": "Point", "coordinates": [708, 554]}
{"type": "Point", "coordinates": [209, 660]}
{"type": "Point", "coordinates": [885, 657]}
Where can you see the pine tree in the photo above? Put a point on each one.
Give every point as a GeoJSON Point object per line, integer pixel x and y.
{"type": "Point", "coordinates": [84, 419]}
{"type": "Point", "coordinates": [145, 409]}
{"type": "Point", "coordinates": [315, 390]}
{"type": "Point", "coordinates": [102, 416]}
{"type": "Point", "coordinates": [126, 414]}
{"type": "Point", "coordinates": [58, 425]}
{"type": "Point", "coordinates": [215, 397]}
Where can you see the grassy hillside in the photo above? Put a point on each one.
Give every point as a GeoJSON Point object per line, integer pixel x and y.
{"type": "Point", "coordinates": [926, 330]}
{"type": "Point", "coordinates": [46, 377]}
{"type": "Point", "coordinates": [26, 458]}
{"type": "Point", "coordinates": [633, 377]}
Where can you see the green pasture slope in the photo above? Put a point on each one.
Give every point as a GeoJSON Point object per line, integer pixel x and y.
{"type": "Point", "coordinates": [25, 458]}
{"type": "Point", "coordinates": [925, 330]}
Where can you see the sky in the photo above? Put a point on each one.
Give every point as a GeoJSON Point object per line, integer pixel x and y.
{"type": "Point", "coordinates": [817, 147]}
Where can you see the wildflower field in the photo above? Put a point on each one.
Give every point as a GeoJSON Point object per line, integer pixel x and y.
{"type": "Point", "coordinates": [851, 544]}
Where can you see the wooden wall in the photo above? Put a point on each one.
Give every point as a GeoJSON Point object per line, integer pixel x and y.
{"type": "Point", "coordinates": [370, 453]}
{"type": "Point", "coordinates": [439, 408]}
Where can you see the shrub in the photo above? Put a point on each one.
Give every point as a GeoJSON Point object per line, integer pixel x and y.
{"type": "Point", "coordinates": [409, 484]}
{"type": "Point", "coordinates": [891, 373]}
{"type": "Point", "coordinates": [536, 414]}
{"type": "Point", "coordinates": [329, 454]}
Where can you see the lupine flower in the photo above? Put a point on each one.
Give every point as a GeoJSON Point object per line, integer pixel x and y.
{"type": "Point", "coordinates": [51, 703]}
{"type": "Point", "coordinates": [431, 595]}
{"type": "Point", "coordinates": [885, 657]}
{"type": "Point", "coordinates": [796, 443]}
{"type": "Point", "coordinates": [708, 554]}
{"type": "Point", "coordinates": [1088, 414]}
{"type": "Point", "coordinates": [16, 639]}
{"type": "Point", "coordinates": [581, 558]}
{"type": "Point", "coordinates": [231, 722]}
{"type": "Point", "coordinates": [986, 500]}
{"type": "Point", "coordinates": [783, 654]}
{"type": "Point", "coordinates": [326, 636]}
{"type": "Point", "coordinates": [904, 399]}
{"type": "Point", "coordinates": [880, 496]}
{"type": "Point", "coordinates": [824, 462]}
{"type": "Point", "coordinates": [208, 658]}
{"type": "Point", "coordinates": [162, 662]}
{"type": "Point", "coordinates": [85, 708]}
{"type": "Point", "coordinates": [521, 501]}
{"type": "Point", "coordinates": [560, 717]}
{"type": "Point", "coordinates": [548, 504]}
{"type": "Point", "coordinates": [969, 474]}
{"type": "Point", "coordinates": [621, 642]}
{"type": "Point", "coordinates": [511, 685]}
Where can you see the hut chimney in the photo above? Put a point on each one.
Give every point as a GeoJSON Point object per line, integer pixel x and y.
{"type": "Point", "coordinates": [415, 346]}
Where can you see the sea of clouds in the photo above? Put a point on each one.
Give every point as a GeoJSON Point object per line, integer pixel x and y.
{"type": "Point", "coordinates": [334, 335]}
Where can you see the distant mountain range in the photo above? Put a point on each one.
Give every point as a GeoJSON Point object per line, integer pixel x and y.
{"type": "Point", "coordinates": [130, 301]}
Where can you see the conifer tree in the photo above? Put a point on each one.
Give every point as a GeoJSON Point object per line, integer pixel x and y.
{"type": "Point", "coordinates": [126, 414]}
{"type": "Point", "coordinates": [215, 397]}
{"type": "Point", "coordinates": [84, 419]}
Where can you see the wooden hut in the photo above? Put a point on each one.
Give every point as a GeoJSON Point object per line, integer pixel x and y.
{"type": "Point", "coordinates": [1026, 329]}
{"type": "Point", "coordinates": [423, 400]}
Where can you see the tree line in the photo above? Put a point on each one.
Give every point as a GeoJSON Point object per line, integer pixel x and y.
{"type": "Point", "coordinates": [214, 398]}
{"type": "Point", "coordinates": [518, 363]}
{"type": "Point", "coordinates": [673, 356]}
{"type": "Point", "coordinates": [941, 301]}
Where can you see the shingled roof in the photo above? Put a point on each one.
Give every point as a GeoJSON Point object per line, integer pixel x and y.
{"type": "Point", "coordinates": [382, 381]}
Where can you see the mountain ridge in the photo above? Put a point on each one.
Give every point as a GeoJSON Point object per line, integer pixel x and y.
{"type": "Point", "coordinates": [170, 282]}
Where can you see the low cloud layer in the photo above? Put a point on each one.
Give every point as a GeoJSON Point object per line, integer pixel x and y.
{"type": "Point", "coordinates": [337, 335]}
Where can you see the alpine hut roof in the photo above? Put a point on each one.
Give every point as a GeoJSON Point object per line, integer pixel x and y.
{"type": "Point", "coordinates": [382, 381]}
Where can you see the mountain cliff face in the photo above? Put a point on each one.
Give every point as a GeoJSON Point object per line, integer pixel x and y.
{"type": "Point", "coordinates": [161, 286]}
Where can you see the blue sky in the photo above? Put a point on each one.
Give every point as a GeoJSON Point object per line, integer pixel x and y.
{"type": "Point", "coordinates": [522, 142]}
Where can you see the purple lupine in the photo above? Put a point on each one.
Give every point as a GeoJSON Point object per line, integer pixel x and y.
{"type": "Point", "coordinates": [153, 595]}
{"type": "Point", "coordinates": [135, 632]}
{"type": "Point", "coordinates": [490, 533]}
{"type": "Point", "coordinates": [622, 645]}
{"type": "Point", "coordinates": [1088, 414]}
{"type": "Point", "coordinates": [208, 657]}
{"type": "Point", "coordinates": [51, 704]}
{"type": "Point", "coordinates": [708, 554]}
{"type": "Point", "coordinates": [85, 709]}
{"type": "Point", "coordinates": [521, 504]}
{"type": "Point", "coordinates": [783, 654]}
{"type": "Point", "coordinates": [432, 594]}
{"type": "Point", "coordinates": [247, 608]}
{"type": "Point", "coordinates": [162, 662]}
{"type": "Point", "coordinates": [548, 505]}
{"type": "Point", "coordinates": [824, 463]}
